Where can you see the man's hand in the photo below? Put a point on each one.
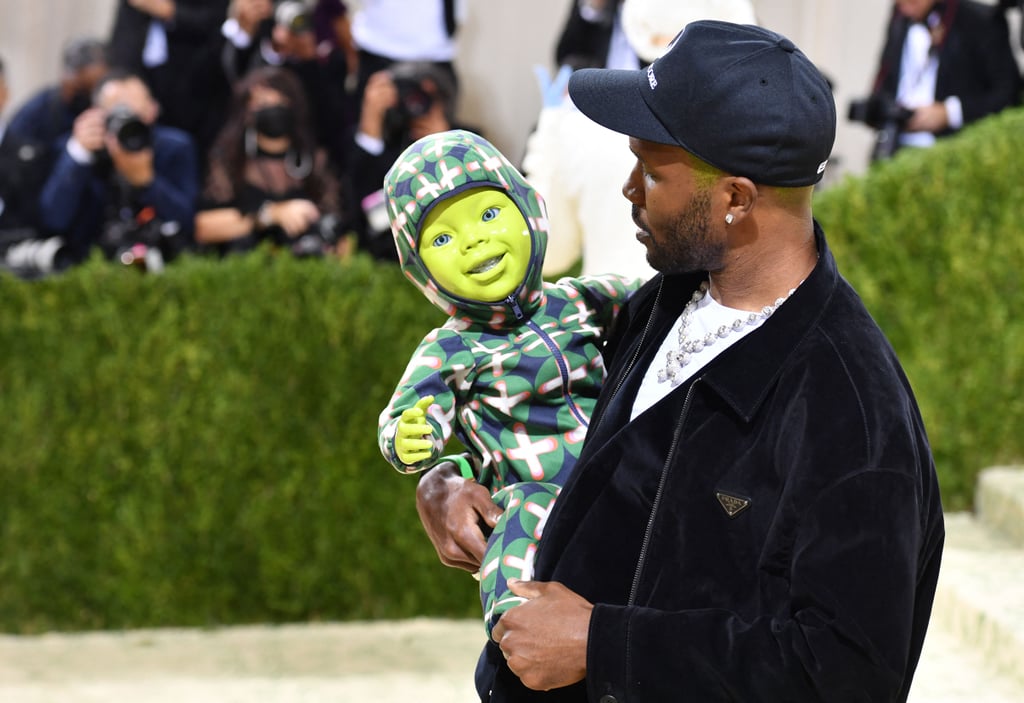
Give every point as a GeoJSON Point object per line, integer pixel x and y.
{"type": "Point", "coordinates": [250, 13]}
{"type": "Point", "coordinates": [160, 9]}
{"type": "Point", "coordinates": [545, 639]}
{"type": "Point", "coordinates": [293, 216]}
{"type": "Point", "coordinates": [454, 512]}
{"type": "Point", "coordinates": [90, 128]}
{"type": "Point", "coordinates": [380, 95]}
{"type": "Point", "coordinates": [930, 118]}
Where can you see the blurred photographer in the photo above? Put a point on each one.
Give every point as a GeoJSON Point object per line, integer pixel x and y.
{"type": "Point", "coordinates": [268, 180]}
{"type": "Point", "coordinates": [24, 248]}
{"type": "Point", "coordinates": [48, 115]}
{"type": "Point", "coordinates": [120, 177]}
{"type": "Point", "coordinates": [943, 66]}
{"type": "Point", "coordinates": [407, 101]}
{"type": "Point", "coordinates": [258, 33]}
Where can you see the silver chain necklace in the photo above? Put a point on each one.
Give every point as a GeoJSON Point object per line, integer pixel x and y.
{"type": "Point", "coordinates": [686, 347]}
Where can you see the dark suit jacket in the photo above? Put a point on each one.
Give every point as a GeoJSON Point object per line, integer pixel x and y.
{"type": "Point", "coordinates": [190, 88]}
{"type": "Point", "coordinates": [976, 61]}
{"type": "Point", "coordinates": [23, 169]}
{"type": "Point", "coordinates": [582, 43]}
{"type": "Point", "coordinates": [77, 198]}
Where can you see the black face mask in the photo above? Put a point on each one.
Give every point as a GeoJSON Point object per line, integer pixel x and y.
{"type": "Point", "coordinates": [275, 121]}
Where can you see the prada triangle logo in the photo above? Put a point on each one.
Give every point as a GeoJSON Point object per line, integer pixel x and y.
{"type": "Point", "coordinates": [733, 505]}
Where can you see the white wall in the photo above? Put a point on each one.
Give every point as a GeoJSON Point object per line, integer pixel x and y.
{"type": "Point", "coordinates": [33, 32]}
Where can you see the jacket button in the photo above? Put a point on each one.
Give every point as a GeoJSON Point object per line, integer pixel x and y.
{"type": "Point", "coordinates": [608, 698]}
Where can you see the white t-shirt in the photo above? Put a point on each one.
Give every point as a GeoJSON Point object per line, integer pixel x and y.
{"type": "Point", "coordinates": [707, 317]}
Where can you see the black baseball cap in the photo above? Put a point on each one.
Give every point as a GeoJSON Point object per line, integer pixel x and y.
{"type": "Point", "coordinates": [740, 97]}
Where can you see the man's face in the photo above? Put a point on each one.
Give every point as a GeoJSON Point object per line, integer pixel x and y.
{"type": "Point", "coordinates": [672, 209]}
{"type": "Point", "coordinates": [3, 92]}
{"type": "Point", "coordinates": [915, 10]}
{"type": "Point", "coordinates": [476, 245]}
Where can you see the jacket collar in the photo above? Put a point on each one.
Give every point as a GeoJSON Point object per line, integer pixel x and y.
{"type": "Point", "coordinates": [743, 379]}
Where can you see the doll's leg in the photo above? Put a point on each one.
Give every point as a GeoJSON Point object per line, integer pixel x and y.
{"type": "Point", "coordinates": [513, 544]}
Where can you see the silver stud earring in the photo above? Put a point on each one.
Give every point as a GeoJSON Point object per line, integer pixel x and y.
{"type": "Point", "coordinates": [729, 218]}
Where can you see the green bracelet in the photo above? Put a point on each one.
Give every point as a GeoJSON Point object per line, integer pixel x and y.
{"type": "Point", "coordinates": [464, 466]}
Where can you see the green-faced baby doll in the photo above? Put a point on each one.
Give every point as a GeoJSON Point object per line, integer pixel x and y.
{"type": "Point", "coordinates": [516, 369]}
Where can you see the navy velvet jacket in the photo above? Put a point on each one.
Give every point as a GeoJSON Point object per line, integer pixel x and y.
{"type": "Point", "coordinates": [76, 196]}
{"type": "Point", "coordinates": [769, 531]}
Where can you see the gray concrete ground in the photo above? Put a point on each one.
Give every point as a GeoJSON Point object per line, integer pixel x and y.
{"type": "Point", "coordinates": [974, 651]}
{"type": "Point", "coordinates": [428, 661]}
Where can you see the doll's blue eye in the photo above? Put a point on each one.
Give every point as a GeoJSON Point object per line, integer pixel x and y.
{"type": "Point", "coordinates": [490, 213]}
{"type": "Point", "coordinates": [440, 240]}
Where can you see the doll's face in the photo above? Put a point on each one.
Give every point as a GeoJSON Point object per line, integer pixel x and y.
{"type": "Point", "coordinates": [476, 245]}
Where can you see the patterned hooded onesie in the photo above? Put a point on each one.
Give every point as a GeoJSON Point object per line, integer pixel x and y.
{"type": "Point", "coordinates": [514, 380]}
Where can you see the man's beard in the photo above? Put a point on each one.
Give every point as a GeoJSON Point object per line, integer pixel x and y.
{"type": "Point", "coordinates": [686, 246]}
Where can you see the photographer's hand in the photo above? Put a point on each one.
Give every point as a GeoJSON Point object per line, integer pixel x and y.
{"type": "Point", "coordinates": [250, 13]}
{"type": "Point", "coordinates": [930, 118]}
{"type": "Point", "coordinates": [293, 216]}
{"type": "Point", "coordinates": [379, 97]}
{"type": "Point", "coordinates": [90, 129]}
{"type": "Point", "coordinates": [160, 9]}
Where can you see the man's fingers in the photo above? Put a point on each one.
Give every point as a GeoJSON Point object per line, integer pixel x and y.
{"type": "Point", "coordinates": [424, 403]}
{"type": "Point", "coordinates": [528, 589]}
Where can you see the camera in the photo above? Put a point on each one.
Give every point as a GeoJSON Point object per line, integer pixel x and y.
{"type": "Point", "coordinates": [144, 241]}
{"type": "Point", "coordinates": [131, 132]}
{"type": "Point", "coordinates": [29, 256]}
{"type": "Point", "coordinates": [316, 241]}
{"type": "Point", "coordinates": [884, 114]}
{"type": "Point", "coordinates": [413, 102]}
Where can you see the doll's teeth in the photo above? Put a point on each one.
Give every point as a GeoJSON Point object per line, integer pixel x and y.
{"type": "Point", "coordinates": [487, 265]}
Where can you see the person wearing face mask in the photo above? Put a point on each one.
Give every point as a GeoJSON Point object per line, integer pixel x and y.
{"type": "Point", "coordinates": [268, 179]}
{"type": "Point", "coordinates": [120, 176]}
{"type": "Point", "coordinates": [49, 114]}
{"type": "Point", "coordinates": [258, 33]}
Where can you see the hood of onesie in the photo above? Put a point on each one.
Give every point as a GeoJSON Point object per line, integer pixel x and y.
{"type": "Point", "coordinates": [438, 167]}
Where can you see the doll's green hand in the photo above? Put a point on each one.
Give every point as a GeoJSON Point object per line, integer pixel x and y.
{"type": "Point", "coordinates": [413, 442]}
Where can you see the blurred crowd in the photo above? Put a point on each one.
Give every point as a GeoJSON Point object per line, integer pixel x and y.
{"type": "Point", "coordinates": [216, 126]}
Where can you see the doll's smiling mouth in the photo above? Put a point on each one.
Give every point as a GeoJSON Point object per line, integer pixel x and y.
{"type": "Point", "coordinates": [487, 265]}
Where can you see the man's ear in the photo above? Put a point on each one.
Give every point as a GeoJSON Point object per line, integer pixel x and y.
{"type": "Point", "coordinates": [742, 193]}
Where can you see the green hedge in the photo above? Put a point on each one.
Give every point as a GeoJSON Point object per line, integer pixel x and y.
{"type": "Point", "coordinates": [934, 242]}
{"type": "Point", "coordinates": [199, 447]}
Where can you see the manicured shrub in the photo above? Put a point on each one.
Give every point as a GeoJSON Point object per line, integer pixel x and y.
{"type": "Point", "coordinates": [934, 242]}
{"type": "Point", "coordinates": [199, 447]}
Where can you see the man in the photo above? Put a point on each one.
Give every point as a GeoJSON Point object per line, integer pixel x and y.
{"type": "Point", "coordinates": [755, 514]}
{"type": "Point", "coordinates": [171, 45]}
{"type": "Point", "coordinates": [119, 171]}
{"type": "Point", "coordinates": [401, 104]}
{"type": "Point", "coordinates": [943, 66]}
{"type": "Point", "coordinates": [287, 38]}
{"type": "Point", "coordinates": [47, 116]}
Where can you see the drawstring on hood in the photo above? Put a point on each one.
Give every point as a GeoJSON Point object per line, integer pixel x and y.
{"type": "Point", "coordinates": [438, 167]}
